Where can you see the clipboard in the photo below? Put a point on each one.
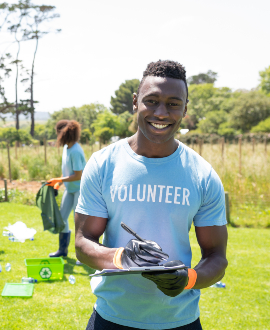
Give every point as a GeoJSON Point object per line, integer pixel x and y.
{"type": "Point", "coordinates": [136, 270]}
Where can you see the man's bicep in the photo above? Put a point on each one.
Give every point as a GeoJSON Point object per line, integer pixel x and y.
{"type": "Point", "coordinates": [212, 239]}
{"type": "Point", "coordinates": [90, 227]}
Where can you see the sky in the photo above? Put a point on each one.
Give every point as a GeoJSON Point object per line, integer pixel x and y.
{"type": "Point", "coordinates": [103, 43]}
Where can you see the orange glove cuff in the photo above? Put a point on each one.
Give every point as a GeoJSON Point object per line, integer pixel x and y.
{"type": "Point", "coordinates": [53, 181]}
{"type": "Point", "coordinates": [117, 258]}
{"type": "Point", "coordinates": [192, 278]}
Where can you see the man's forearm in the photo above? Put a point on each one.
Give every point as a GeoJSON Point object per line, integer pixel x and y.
{"type": "Point", "coordinates": [210, 270]}
{"type": "Point", "coordinates": [94, 254]}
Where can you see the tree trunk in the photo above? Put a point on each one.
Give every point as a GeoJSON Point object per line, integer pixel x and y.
{"type": "Point", "coordinates": [16, 87]}
{"type": "Point", "coordinates": [32, 93]}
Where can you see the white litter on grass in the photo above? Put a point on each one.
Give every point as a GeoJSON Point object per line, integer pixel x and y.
{"type": "Point", "coordinates": [20, 231]}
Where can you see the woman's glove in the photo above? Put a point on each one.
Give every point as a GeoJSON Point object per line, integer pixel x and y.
{"type": "Point", "coordinates": [53, 181]}
{"type": "Point", "coordinates": [174, 282]}
{"type": "Point", "coordinates": [138, 254]}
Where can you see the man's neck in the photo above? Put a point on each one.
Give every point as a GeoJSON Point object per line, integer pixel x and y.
{"type": "Point", "coordinates": [143, 147]}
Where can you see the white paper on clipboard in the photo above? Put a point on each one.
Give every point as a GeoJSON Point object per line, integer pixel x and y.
{"type": "Point", "coordinates": [136, 270]}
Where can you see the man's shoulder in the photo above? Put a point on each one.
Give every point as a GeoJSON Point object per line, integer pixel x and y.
{"type": "Point", "coordinates": [192, 158]}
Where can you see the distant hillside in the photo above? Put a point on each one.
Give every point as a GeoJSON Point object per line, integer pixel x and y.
{"type": "Point", "coordinates": [39, 116]}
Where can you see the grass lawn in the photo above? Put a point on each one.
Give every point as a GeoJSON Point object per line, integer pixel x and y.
{"type": "Point", "coordinates": [244, 304]}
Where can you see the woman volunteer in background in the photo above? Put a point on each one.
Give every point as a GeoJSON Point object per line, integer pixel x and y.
{"type": "Point", "coordinates": [73, 163]}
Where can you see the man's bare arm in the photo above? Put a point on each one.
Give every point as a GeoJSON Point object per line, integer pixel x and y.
{"type": "Point", "coordinates": [89, 251]}
{"type": "Point", "coordinates": [213, 243]}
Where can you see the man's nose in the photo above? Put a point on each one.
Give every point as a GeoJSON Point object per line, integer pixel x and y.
{"type": "Point", "coordinates": [161, 111]}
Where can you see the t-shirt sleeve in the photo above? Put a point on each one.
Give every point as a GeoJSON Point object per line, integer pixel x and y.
{"type": "Point", "coordinates": [91, 201]}
{"type": "Point", "coordinates": [77, 161]}
{"type": "Point", "coordinates": [212, 212]}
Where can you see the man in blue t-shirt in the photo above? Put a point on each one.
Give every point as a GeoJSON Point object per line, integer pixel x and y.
{"type": "Point", "coordinates": [158, 187]}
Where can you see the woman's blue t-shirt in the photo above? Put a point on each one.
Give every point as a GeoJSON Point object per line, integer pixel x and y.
{"type": "Point", "coordinates": [72, 160]}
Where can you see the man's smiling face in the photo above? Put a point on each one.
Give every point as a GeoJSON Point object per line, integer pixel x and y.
{"type": "Point", "coordinates": [160, 107]}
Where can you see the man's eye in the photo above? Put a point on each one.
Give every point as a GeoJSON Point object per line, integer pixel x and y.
{"type": "Point", "coordinates": [151, 101]}
{"type": "Point", "coordinates": [173, 104]}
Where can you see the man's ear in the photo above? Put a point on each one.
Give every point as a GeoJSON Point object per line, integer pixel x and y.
{"type": "Point", "coordinates": [185, 111]}
{"type": "Point", "coordinates": [135, 102]}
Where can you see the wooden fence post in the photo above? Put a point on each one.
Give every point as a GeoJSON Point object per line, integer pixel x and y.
{"type": "Point", "coordinates": [253, 144]}
{"type": "Point", "coordinates": [200, 146]}
{"type": "Point", "coordinates": [6, 192]}
{"type": "Point", "coordinates": [9, 165]}
{"type": "Point", "coordinates": [240, 154]}
{"type": "Point", "coordinates": [227, 205]}
{"type": "Point", "coordinates": [45, 151]}
{"type": "Point", "coordinates": [222, 148]}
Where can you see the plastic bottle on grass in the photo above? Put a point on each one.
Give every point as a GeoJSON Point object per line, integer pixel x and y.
{"type": "Point", "coordinates": [72, 279]}
{"type": "Point", "coordinates": [7, 233]}
{"type": "Point", "coordinates": [219, 285]}
{"type": "Point", "coordinates": [14, 239]}
{"type": "Point", "coordinates": [8, 267]}
{"type": "Point", "coordinates": [0, 268]}
{"type": "Point", "coordinates": [28, 280]}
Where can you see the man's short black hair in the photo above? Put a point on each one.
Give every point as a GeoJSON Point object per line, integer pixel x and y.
{"type": "Point", "coordinates": [166, 69]}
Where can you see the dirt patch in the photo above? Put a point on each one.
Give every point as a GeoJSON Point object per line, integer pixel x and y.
{"type": "Point", "coordinates": [31, 186]}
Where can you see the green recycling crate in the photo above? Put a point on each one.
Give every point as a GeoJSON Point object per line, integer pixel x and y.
{"type": "Point", "coordinates": [45, 269]}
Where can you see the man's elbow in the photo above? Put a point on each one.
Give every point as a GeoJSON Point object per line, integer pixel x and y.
{"type": "Point", "coordinates": [224, 264]}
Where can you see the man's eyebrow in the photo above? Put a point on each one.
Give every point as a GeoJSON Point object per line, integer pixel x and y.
{"type": "Point", "coordinates": [171, 98]}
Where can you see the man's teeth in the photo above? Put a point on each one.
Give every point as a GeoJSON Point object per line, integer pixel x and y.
{"type": "Point", "coordinates": [159, 126]}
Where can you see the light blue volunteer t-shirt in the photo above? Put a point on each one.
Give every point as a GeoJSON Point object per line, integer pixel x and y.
{"type": "Point", "coordinates": [72, 160]}
{"type": "Point", "coordinates": [158, 198]}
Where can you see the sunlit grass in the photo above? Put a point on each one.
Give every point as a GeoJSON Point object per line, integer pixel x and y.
{"type": "Point", "coordinates": [244, 304]}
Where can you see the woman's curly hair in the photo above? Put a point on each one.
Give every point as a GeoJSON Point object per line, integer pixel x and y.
{"type": "Point", "coordinates": [68, 131]}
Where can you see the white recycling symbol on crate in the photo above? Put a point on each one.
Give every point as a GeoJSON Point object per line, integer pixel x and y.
{"type": "Point", "coordinates": [45, 272]}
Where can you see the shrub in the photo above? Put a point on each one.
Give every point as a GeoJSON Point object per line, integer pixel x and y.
{"type": "Point", "coordinates": [37, 169]}
{"type": "Point", "coordinates": [263, 126]}
{"type": "Point", "coordinates": [20, 197]}
{"type": "Point", "coordinates": [15, 172]}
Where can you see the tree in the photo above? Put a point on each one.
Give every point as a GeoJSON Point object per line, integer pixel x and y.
{"type": "Point", "coordinates": [263, 126]}
{"type": "Point", "coordinates": [5, 70]}
{"type": "Point", "coordinates": [249, 109]}
{"type": "Point", "coordinates": [11, 135]}
{"type": "Point", "coordinates": [38, 16]}
{"type": "Point", "coordinates": [204, 99]}
{"type": "Point", "coordinates": [18, 13]}
{"type": "Point", "coordinates": [25, 21]}
{"type": "Point", "coordinates": [87, 137]}
{"type": "Point", "coordinates": [225, 129]}
{"type": "Point", "coordinates": [85, 115]}
{"type": "Point", "coordinates": [106, 125]}
{"type": "Point", "coordinates": [203, 78]}
{"type": "Point", "coordinates": [104, 135]}
{"type": "Point", "coordinates": [212, 122]}
{"type": "Point", "coordinates": [265, 81]}
{"type": "Point", "coordinates": [123, 100]}
{"type": "Point", "coordinates": [124, 121]}
{"type": "Point", "coordinates": [44, 131]}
